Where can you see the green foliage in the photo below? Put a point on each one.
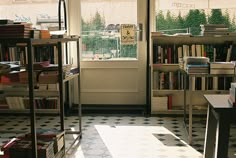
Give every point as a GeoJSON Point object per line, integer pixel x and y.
{"type": "Point", "coordinates": [227, 18]}
{"type": "Point", "coordinates": [160, 21]}
{"type": "Point", "coordinates": [180, 21]}
{"type": "Point", "coordinates": [233, 25]}
{"type": "Point", "coordinates": [193, 20]}
{"type": "Point", "coordinates": [128, 51]}
{"type": "Point", "coordinates": [216, 17]}
{"type": "Point", "coordinates": [97, 23]}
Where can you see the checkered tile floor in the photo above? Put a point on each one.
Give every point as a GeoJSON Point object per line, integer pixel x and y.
{"type": "Point", "coordinates": [122, 136]}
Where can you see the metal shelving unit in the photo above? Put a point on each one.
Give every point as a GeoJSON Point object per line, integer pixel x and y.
{"type": "Point", "coordinates": [29, 44]}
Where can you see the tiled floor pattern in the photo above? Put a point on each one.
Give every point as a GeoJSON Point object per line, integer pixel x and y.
{"type": "Point", "coordinates": [122, 136]}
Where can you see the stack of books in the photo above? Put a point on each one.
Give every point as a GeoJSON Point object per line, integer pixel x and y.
{"type": "Point", "coordinates": [222, 68]}
{"type": "Point", "coordinates": [16, 30]}
{"type": "Point", "coordinates": [214, 29]}
{"type": "Point", "coordinates": [232, 95]}
{"type": "Point", "coordinates": [23, 148]}
{"type": "Point", "coordinates": [196, 65]}
{"type": "Point", "coordinates": [55, 135]}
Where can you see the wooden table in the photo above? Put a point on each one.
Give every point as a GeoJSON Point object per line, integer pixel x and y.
{"type": "Point", "coordinates": [219, 117]}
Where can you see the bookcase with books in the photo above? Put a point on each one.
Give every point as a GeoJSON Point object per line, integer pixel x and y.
{"type": "Point", "coordinates": [32, 74]}
{"type": "Point", "coordinates": [167, 71]}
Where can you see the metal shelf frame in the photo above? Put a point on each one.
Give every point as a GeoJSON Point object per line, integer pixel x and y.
{"type": "Point", "coordinates": [29, 43]}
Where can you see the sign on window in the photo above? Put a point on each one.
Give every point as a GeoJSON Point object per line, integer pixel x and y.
{"type": "Point", "coordinates": [127, 34]}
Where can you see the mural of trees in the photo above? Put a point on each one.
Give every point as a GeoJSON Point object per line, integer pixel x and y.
{"type": "Point", "coordinates": [192, 20]}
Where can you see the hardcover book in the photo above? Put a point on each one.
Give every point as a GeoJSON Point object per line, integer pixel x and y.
{"type": "Point", "coordinates": [222, 65]}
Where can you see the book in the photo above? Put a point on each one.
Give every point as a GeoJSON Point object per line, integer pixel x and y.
{"type": "Point", "coordinates": [193, 50]}
{"type": "Point", "coordinates": [232, 93]}
{"type": "Point", "coordinates": [213, 26]}
{"type": "Point", "coordinates": [159, 103]}
{"type": "Point", "coordinates": [155, 54]}
{"type": "Point", "coordinates": [196, 60]}
{"type": "Point", "coordinates": [198, 70]}
{"type": "Point", "coordinates": [180, 52]}
{"type": "Point", "coordinates": [6, 21]}
{"type": "Point", "coordinates": [185, 50]}
{"type": "Point", "coordinates": [47, 133]}
{"type": "Point", "coordinates": [198, 50]}
{"type": "Point", "coordinates": [203, 83]}
{"type": "Point", "coordinates": [224, 71]}
{"type": "Point", "coordinates": [35, 34]}
{"type": "Point", "coordinates": [170, 102]}
{"type": "Point", "coordinates": [6, 146]}
{"type": "Point", "coordinates": [155, 80]}
{"type": "Point", "coordinates": [231, 102]}
{"type": "Point", "coordinates": [222, 65]}
{"type": "Point", "coordinates": [169, 55]}
{"type": "Point", "coordinates": [229, 53]}
{"type": "Point", "coordinates": [55, 135]}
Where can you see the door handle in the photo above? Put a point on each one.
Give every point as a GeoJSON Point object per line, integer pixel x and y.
{"type": "Point", "coordinates": [140, 32]}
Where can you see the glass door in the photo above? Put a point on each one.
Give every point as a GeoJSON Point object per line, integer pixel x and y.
{"type": "Point", "coordinates": [114, 57]}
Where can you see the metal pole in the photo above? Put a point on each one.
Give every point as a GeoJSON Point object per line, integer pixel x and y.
{"type": "Point", "coordinates": [31, 99]}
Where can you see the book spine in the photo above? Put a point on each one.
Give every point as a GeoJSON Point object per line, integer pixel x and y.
{"type": "Point", "coordinates": [170, 102]}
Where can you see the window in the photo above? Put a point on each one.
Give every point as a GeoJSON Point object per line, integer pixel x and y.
{"type": "Point", "coordinates": [42, 15]}
{"type": "Point", "coordinates": [101, 29]}
{"type": "Point", "coordinates": [186, 16]}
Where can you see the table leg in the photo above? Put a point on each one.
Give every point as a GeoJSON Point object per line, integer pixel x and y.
{"type": "Point", "coordinates": [210, 135]}
{"type": "Point", "coordinates": [222, 137]}
{"type": "Point", "coordinates": [190, 128]}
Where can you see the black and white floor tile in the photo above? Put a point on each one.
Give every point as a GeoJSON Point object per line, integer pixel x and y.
{"type": "Point", "coordinates": [122, 136]}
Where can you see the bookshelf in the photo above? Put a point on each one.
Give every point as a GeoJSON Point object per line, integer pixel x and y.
{"type": "Point", "coordinates": [190, 77]}
{"type": "Point", "coordinates": [167, 80]}
{"type": "Point", "coordinates": [29, 83]}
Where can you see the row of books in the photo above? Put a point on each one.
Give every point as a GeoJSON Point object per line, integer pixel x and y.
{"type": "Point", "coordinates": [232, 94]}
{"type": "Point", "coordinates": [174, 53]}
{"type": "Point", "coordinates": [167, 80]}
{"type": "Point", "coordinates": [20, 103]}
{"type": "Point", "coordinates": [42, 74]}
{"type": "Point", "coordinates": [19, 53]}
{"type": "Point", "coordinates": [214, 68]}
{"type": "Point", "coordinates": [174, 81]}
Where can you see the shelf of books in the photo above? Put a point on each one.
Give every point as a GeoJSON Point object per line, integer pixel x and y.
{"type": "Point", "coordinates": [173, 56]}
{"type": "Point", "coordinates": [33, 73]}
{"type": "Point", "coordinates": [15, 98]}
